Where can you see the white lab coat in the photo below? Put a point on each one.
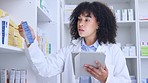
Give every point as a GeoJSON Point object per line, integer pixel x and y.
{"type": "Point", "coordinates": [62, 62]}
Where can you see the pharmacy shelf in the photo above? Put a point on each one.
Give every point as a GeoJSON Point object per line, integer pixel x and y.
{"type": "Point", "coordinates": [144, 57]}
{"type": "Point", "coordinates": [41, 15]}
{"type": "Point", "coordinates": [132, 57]}
{"type": "Point", "coordinates": [10, 49]}
{"type": "Point", "coordinates": [120, 23]}
{"type": "Point", "coordinates": [144, 23]}
{"type": "Point", "coordinates": [126, 23]}
{"type": "Point", "coordinates": [107, 1]}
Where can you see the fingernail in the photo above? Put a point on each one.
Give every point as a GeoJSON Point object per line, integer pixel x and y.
{"type": "Point", "coordinates": [85, 65]}
{"type": "Point", "coordinates": [96, 61]}
{"type": "Point", "coordinates": [90, 67]}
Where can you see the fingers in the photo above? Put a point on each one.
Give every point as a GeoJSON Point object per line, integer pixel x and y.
{"type": "Point", "coordinates": [94, 74]}
{"type": "Point", "coordinates": [93, 69]}
{"type": "Point", "coordinates": [99, 70]}
{"type": "Point", "coordinates": [99, 66]}
{"type": "Point", "coordinates": [20, 29]}
{"type": "Point", "coordinates": [105, 68]}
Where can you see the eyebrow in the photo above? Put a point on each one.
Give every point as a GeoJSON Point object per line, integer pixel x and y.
{"type": "Point", "coordinates": [89, 16]}
{"type": "Point", "coordinates": [86, 16]}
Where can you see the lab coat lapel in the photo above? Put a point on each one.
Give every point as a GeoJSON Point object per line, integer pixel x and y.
{"type": "Point", "coordinates": [101, 48]}
{"type": "Point", "coordinates": [77, 45]}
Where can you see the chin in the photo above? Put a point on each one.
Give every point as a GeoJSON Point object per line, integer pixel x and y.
{"type": "Point", "coordinates": [82, 36]}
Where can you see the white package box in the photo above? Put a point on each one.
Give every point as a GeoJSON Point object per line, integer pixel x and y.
{"type": "Point", "coordinates": [118, 15]}
{"type": "Point", "coordinates": [82, 58]}
{"type": "Point", "coordinates": [130, 14]}
{"type": "Point", "coordinates": [125, 50]}
{"type": "Point", "coordinates": [12, 76]}
{"type": "Point", "coordinates": [27, 33]}
{"type": "Point", "coordinates": [124, 14]}
{"type": "Point", "coordinates": [0, 31]}
{"type": "Point", "coordinates": [17, 76]}
{"type": "Point", "coordinates": [44, 6]}
{"type": "Point", "coordinates": [4, 76]}
{"type": "Point", "coordinates": [23, 76]}
{"type": "Point", "coordinates": [4, 29]}
{"type": "Point", "coordinates": [132, 51]}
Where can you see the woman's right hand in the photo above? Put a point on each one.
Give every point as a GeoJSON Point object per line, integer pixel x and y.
{"type": "Point", "coordinates": [21, 32]}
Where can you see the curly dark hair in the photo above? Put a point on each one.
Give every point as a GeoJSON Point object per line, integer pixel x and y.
{"type": "Point", "coordinates": [104, 16]}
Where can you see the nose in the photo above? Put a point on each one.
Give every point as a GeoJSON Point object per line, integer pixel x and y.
{"type": "Point", "coordinates": [81, 23]}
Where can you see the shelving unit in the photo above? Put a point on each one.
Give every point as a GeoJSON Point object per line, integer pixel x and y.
{"type": "Point", "coordinates": [11, 57]}
{"type": "Point", "coordinates": [128, 32]}
{"type": "Point", "coordinates": [52, 23]}
{"type": "Point", "coordinates": [10, 49]}
{"type": "Point", "coordinates": [29, 10]}
{"type": "Point", "coordinates": [42, 16]}
{"type": "Point", "coordinates": [143, 27]}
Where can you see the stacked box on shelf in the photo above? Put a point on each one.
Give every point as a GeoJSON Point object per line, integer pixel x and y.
{"type": "Point", "coordinates": [44, 6]}
{"type": "Point", "coordinates": [4, 24]}
{"type": "Point", "coordinates": [9, 34]}
{"type": "Point", "coordinates": [48, 48]}
{"type": "Point", "coordinates": [43, 42]}
{"type": "Point", "coordinates": [144, 50]}
{"type": "Point", "coordinates": [4, 76]}
{"type": "Point", "coordinates": [14, 36]}
{"type": "Point", "coordinates": [124, 14]}
{"type": "Point", "coordinates": [13, 76]}
{"type": "Point", "coordinates": [3, 13]}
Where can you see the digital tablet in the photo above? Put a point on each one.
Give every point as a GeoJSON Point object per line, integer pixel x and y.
{"type": "Point", "coordinates": [81, 58]}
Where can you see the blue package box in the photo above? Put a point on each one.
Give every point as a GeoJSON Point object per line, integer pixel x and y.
{"type": "Point", "coordinates": [28, 35]}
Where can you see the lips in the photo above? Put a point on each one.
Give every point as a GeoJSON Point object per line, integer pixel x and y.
{"type": "Point", "coordinates": [81, 30]}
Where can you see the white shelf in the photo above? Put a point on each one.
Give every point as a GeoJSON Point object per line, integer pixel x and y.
{"type": "Point", "coordinates": [143, 21]}
{"type": "Point", "coordinates": [41, 15]}
{"type": "Point", "coordinates": [131, 57]}
{"type": "Point", "coordinates": [126, 31]}
{"type": "Point", "coordinates": [144, 57]}
{"type": "Point", "coordinates": [107, 1]}
{"type": "Point", "coordinates": [10, 49]}
{"type": "Point", "coordinates": [126, 23]}
{"type": "Point", "coordinates": [120, 23]}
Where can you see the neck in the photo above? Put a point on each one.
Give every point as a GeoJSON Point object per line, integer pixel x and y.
{"type": "Point", "coordinates": [90, 41]}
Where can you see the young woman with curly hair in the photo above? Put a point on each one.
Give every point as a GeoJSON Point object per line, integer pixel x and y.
{"type": "Point", "coordinates": [93, 29]}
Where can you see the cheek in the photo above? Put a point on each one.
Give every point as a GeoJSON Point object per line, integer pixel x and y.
{"type": "Point", "coordinates": [91, 30]}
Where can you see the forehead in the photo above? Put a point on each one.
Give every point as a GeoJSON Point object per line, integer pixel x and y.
{"type": "Point", "coordinates": [86, 14]}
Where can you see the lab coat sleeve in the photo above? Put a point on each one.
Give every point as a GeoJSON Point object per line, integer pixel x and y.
{"type": "Point", "coordinates": [45, 66]}
{"type": "Point", "coordinates": [120, 71]}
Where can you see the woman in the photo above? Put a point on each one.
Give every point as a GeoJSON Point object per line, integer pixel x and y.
{"type": "Point", "coordinates": [93, 28]}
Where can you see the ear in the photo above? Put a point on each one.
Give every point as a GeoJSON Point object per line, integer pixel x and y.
{"type": "Point", "coordinates": [97, 27]}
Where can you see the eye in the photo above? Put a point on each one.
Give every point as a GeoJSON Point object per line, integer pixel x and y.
{"type": "Point", "coordinates": [87, 20]}
{"type": "Point", "coordinates": [79, 19]}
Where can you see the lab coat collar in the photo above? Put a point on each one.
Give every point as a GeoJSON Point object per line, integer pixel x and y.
{"type": "Point", "coordinates": [77, 43]}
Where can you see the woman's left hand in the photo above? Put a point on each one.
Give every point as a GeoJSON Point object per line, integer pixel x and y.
{"type": "Point", "coordinates": [99, 72]}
